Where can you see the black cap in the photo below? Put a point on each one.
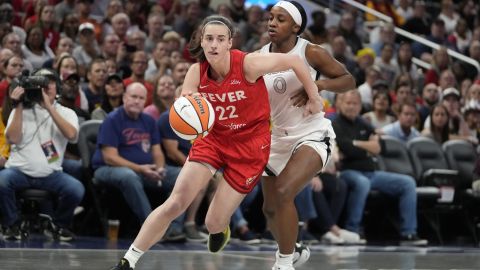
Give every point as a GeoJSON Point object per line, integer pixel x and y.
{"type": "Point", "coordinates": [379, 84]}
{"type": "Point", "coordinates": [114, 76]}
{"type": "Point", "coordinates": [72, 76]}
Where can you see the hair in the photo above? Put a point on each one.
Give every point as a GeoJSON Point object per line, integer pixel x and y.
{"type": "Point", "coordinates": [195, 47]}
{"type": "Point", "coordinates": [5, 64]}
{"type": "Point", "coordinates": [29, 32]}
{"type": "Point", "coordinates": [444, 132]}
{"type": "Point", "coordinates": [383, 93]}
{"type": "Point", "coordinates": [95, 61]}
{"type": "Point", "coordinates": [406, 104]}
{"type": "Point", "coordinates": [63, 58]}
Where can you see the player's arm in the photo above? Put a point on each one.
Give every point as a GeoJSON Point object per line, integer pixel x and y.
{"type": "Point", "coordinates": [339, 79]}
{"type": "Point", "coordinates": [257, 65]}
{"type": "Point", "coordinates": [192, 80]}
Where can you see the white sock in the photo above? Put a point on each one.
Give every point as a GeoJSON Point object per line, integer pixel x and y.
{"type": "Point", "coordinates": [133, 255]}
{"type": "Point", "coordinates": [284, 259]}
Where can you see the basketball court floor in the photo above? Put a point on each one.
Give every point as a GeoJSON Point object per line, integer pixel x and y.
{"type": "Point", "coordinates": [99, 254]}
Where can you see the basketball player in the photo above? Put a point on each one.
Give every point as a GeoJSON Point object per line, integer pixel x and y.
{"type": "Point", "coordinates": [239, 141]}
{"type": "Point", "coordinates": [300, 144]}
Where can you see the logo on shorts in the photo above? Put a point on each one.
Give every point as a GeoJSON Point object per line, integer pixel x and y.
{"type": "Point", "coordinates": [250, 180]}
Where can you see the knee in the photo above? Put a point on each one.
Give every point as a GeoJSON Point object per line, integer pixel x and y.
{"type": "Point", "coordinates": [174, 206]}
{"type": "Point", "coordinates": [214, 224]}
{"type": "Point", "coordinates": [74, 189]}
{"type": "Point", "coordinates": [268, 210]}
{"type": "Point", "coordinates": [409, 183]}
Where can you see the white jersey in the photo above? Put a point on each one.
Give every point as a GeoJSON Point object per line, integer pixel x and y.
{"type": "Point", "coordinates": [283, 85]}
{"type": "Point", "coordinates": [290, 128]}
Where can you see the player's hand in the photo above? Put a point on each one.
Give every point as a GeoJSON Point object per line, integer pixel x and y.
{"type": "Point", "coordinates": [314, 105]}
{"type": "Point", "coordinates": [317, 184]}
{"type": "Point", "coordinates": [299, 99]}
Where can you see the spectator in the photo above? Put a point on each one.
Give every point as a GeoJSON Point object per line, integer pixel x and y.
{"type": "Point", "coordinates": [386, 7]}
{"type": "Point", "coordinates": [403, 129]}
{"type": "Point", "coordinates": [69, 26]}
{"type": "Point", "coordinates": [114, 7]}
{"type": "Point", "coordinates": [405, 9]}
{"type": "Point", "coordinates": [357, 142]}
{"type": "Point", "coordinates": [380, 115]}
{"type": "Point", "coordinates": [163, 97]}
{"type": "Point", "coordinates": [159, 63]}
{"type": "Point", "coordinates": [404, 63]}
{"type": "Point", "coordinates": [461, 37]}
{"type": "Point", "coordinates": [473, 93]}
{"type": "Point", "coordinates": [387, 35]}
{"type": "Point", "coordinates": [471, 113]}
{"type": "Point", "coordinates": [128, 155]}
{"type": "Point", "coordinates": [96, 75]}
{"type": "Point", "coordinates": [137, 40]}
{"type": "Point", "coordinates": [5, 54]}
{"type": "Point", "coordinates": [111, 46]}
{"type": "Point", "coordinates": [420, 22]}
{"type": "Point", "coordinates": [121, 25]}
{"type": "Point", "coordinates": [13, 68]}
{"type": "Point", "coordinates": [205, 9]}
{"type": "Point", "coordinates": [48, 25]}
{"type": "Point", "coordinates": [365, 90]}
{"type": "Point", "coordinates": [35, 49]}
{"type": "Point", "coordinates": [347, 30]}
{"type": "Point", "coordinates": [386, 63]}
{"type": "Point", "coordinates": [403, 94]}
{"type": "Point", "coordinates": [186, 24]}
{"type": "Point", "coordinates": [112, 97]}
{"type": "Point", "coordinates": [40, 159]}
{"type": "Point", "coordinates": [88, 48]}
{"type": "Point", "coordinates": [340, 53]}
{"type": "Point", "coordinates": [63, 8]}
{"type": "Point", "coordinates": [317, 30]}
{"type": "Point", "coordinates": [440, 62]}
{"type": "Point", "coordinates": [156, 29]}
{"type": "Point", "coordinates": [431, 97]}
{"type": "Point", "coordinates": [447, 80]}
{"type": "Point", "coordinates": [237, 10]}
{"type": "Point", "coordinates": [438, 129]}
{"type": "Point", "coordinates": [65, 45]}
{"type": "Point", "coordinates": [448, 15]}
{"type": "Point", "coordinates": [437, 35]}
{"type": "Point", "coordinates": [83, 9]}
{"type": "Point", "coordinates": [365, 59]}
{"type": "Point", "coordinates": [253, 28]}
{"type": "Point", "coordinates": [179, 71]}
{"type": "Point", "coordinates": [139, 66]}
{"type": "Point", "coordinates": [65, 66]}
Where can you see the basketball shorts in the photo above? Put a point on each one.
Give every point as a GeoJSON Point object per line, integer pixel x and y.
{"type": "Point", "coordinates": [243, 162]}
{"type": "Point", "coordinates": [283, 147]}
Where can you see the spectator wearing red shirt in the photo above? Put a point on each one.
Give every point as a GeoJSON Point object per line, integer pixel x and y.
{"type": "Point", "coordinates": [139, 66]}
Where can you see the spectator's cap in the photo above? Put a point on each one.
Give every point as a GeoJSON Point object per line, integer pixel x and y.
{"type": "Point", "coordinates": [86, 26]}
{"type": "Point", "coordinates": [380, 84]}
{"type": "Point", "coordinates": [72, 76]}
{"type": "Point", "coordinates": [451, 92]}
{"type": "Point", "coordinates": [46, 72]}
{"type": "Point", "coordinates": [366, 51]}
{"type": "Point", "coordinates": [115, 76]}
{"type": "Point", "coordinates": [172, 36]}
{"type": "Point", "coordinates": [471, 106]}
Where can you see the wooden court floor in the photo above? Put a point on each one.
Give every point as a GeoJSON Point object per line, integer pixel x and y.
{"type": "Point", "coordinates": [177, 258]}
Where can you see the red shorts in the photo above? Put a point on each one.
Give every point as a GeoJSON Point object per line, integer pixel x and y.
{"type": "Point", "coordinates": [242, 161]}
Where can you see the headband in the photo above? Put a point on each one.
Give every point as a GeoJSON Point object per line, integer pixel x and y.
{"type": "Point", "coordinates": [217, 22]}
{"type": "Point", "coordinates": [292, 10]}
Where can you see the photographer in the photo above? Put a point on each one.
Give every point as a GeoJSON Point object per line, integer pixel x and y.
{"type": "Point", "coordinates": [38, 130]}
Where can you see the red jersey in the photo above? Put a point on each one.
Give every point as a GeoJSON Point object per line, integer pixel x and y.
{"type": "Point", "coordinates": [241, 108]}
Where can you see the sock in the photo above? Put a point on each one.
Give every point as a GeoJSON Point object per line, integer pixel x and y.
{"type": "Point", "coordinates": [133, 255]}
{"type": "Point", "coordinates": [284, 259]}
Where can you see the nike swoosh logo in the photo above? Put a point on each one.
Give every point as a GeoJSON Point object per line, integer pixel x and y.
{"type": "Point", "coordinates": [183, 107]}
{"type": "Point", "coordinates": [133, 249]}
{"type": "Point", "coordinates": [203, 86]}
{"type": "Point", "coordinates": [264, 146]}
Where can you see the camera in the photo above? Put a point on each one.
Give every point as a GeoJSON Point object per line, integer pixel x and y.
{"type": "Point", "coordinates": [33, 86]}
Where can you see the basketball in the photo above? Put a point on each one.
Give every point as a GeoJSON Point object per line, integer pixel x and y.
{"type": "Point", "coordinates": [191, 117]}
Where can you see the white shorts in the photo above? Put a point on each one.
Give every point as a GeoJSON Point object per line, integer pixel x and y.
{"type": "Point", "coordinates": [283, 147]}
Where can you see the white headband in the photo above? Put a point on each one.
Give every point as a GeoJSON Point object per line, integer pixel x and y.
{"type": "Point", "coordinates": [217, 22]}
{"type": "Point", "coordinates": [292, 10]}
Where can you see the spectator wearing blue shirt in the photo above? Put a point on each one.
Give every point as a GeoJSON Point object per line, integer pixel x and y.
{"type": "Point", "coordinates": [403, 128]}
{"type": "Point", "coordinates": [128, 154]}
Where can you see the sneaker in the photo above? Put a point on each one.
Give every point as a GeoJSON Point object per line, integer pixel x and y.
{"type": "Point", "coordinates": [123, 264]}
{"type": "Point", "coordinates": [174, 235]}
{"type": "Point", "coordinates": [193, 235]}
{"type": "Point", "coordinates": [282, 267]}
{"type": "Point", "coordinates": [412, 240]}
{"type": "Point", "coordinates": [65, 234]}
{"type": "Point", "coordinates": [306, 237]}
{"type": "Point", "coordinates": [351, 237]}
{"type": "Point", "coordinates": [12, 233]}
{"type": "Point", "coordinates": [301, 254]}
{"type": "Point", "coordinates": [249, 238]}
{"type": "Point", "coordinates": [331, 239]}
{"type": "Point", "coordinates": [216, 242]}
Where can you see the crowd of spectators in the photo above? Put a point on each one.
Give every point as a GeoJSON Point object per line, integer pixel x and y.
{"type": "Point", "coordinates": [124, 61]}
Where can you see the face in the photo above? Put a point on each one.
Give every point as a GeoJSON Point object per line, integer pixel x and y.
{"type": "Point", "coordinates": [111, 66]}
{"type": "Point", "coordinates": [380, 103]}
{"type": "Point", "coordinates": [281, 24]}
{"type": "Point", "coordinates": [71, 22]}
{"type": "Point", "coordinates": [407, 116]}
{"type": "Point", "coordinates": [65, 45]}
{"type": "Point", "coordinates": [134, 100]}
{"type": "Point", "coordinates": [473, 119]}
{"type": "Point", "coordinates": [155, 24]}
{"type": "Point", "coordinates": [387, 52]}
{"type": "Point", "coordinates": [339, 46]}
{"type": "Point", "coordinates": [216, 42]}
{"type": "Point", "coordinates": [51, 91]}
{"type": "Point", "coordinates": [439, 117]}
{"type": "Point", "coordinates": [447, 79]}
{"type": "Point", "coordinates": [120, 26]}
{"type": "Point", "coordinates": [110, 44]}
{"type": "Point", "coordinates": [179, 72]}
{"type": "Point", "coordinates": [137, 39]}
{"type": "Point", "coordinates": [431, 93]}
{"type": "Point", "coordinates": [451, 103]}
{"type": "Point", "coordinates": [166, 87]}
{"type": "Point", "coordinates": [474, 92]}
{"type": "Point", "coordinates": [35, 38]}
{"type": "Point", "coordinates": [175, 57]}
{"type": "Point", "coordinates": [98, 74]}
{"type": "Point", "coordinates": [404, 94]}
{"type": "Point", "coordinates": [48, 14]}
{"type": "Point", "coordinates": [68, 66]}
{"type": "Point", "coordinates": [14, 67]}
{"type": "Point", "coordinates": [70, 89]}
{"type": "Point", "coordinates": [350, 105]}
{"type": "Point", "coordinates": [405, 53]}
{"type": "Point", "coordinates": [114, 88]}
{"type": "Point", "coordinates": [139, 64]}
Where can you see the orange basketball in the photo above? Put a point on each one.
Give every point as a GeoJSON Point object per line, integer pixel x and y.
{"type": "Point", "coordinates": [191, 117]}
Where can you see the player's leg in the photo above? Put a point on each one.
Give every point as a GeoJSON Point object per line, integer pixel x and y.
{"type": "Point", "coordinates": [225, 201]}
{"type": "Point", "coordinates": [193, 178]}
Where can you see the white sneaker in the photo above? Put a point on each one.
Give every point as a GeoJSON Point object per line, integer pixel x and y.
{"type": "Point", "coordinates": [301, 254]}
{"type": "Point", "coordinates": [331, 238]}
{"type": "Point", "coordinates": [282, 267]}
{"type": "Point", "coordinates": [349, 237]}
